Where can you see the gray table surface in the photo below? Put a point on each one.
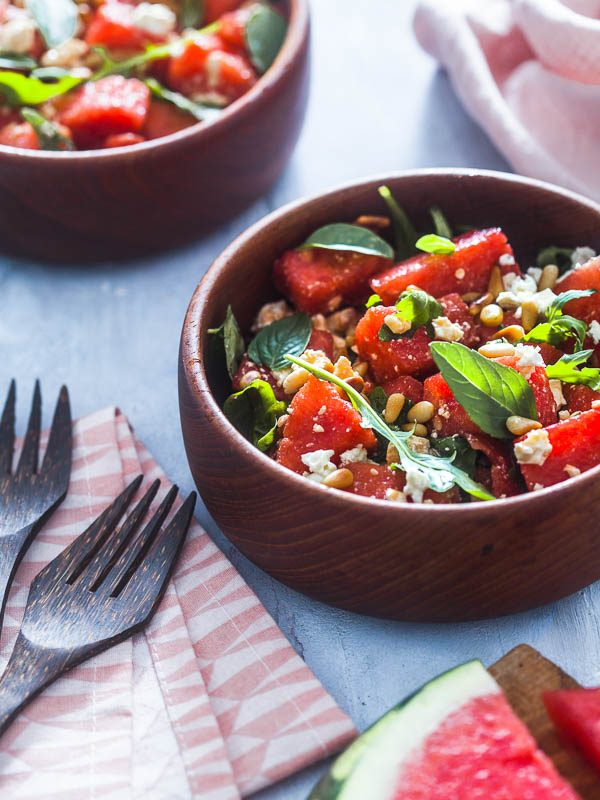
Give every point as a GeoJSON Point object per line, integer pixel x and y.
{"type": "Point", "coordinates": [378, 104]}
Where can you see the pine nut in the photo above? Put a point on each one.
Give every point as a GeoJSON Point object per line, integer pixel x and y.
{"type": "Point", "coordinates": [548, 278]}
{"type": "Point", "coordinates": [521, 425]}
{"type": "Point", "coordinates": [421, 412]}
{"type": "Point", "coordinates": [339, 346]}
{"type": "Point", "coordinates": [562, 415]}
{"type": "Point", "coordinates": [397, 324]}
{"type": "Point", "coordinates": [295, 380]}
{"type": "Point", "coordinates": [418, 444]}
{"type": "Point", "coordinates": [393, 407]}
{"type": "Point", "coordinates": [491, 315]}
{"type": "Point", "coordinates": [557, 392]}
{"type": "Point", "coordinates": [356, 382]}
{"type": "Point", "coordinates": [246, 380]}
{"type": "Point", "coordinates": [496, 349]}
{"type": "Point", "coordinates": [419, 430]}
{"type": "Point", "coordinates": [340, 479]}
{"type": "Point", "coordinates": [469, 297]}
{"type": "Point", "coordinates": [361, 368]}
{"type": "Point", "coordinates": [481, 301]}
{"type": "Point", "coordinates": [350, 338]}
{"type": "Point", "coordinates": [514, 333]}
{"type": "Point", "coordinates": [529, 315]}
{"type": "Point", "coordinates": [340, 321]}
{"type": "Point", "coordinates": [319, 323]}
{"type": "Point", "coordinates": [392, 456]}
{"type": "Point", "coordinates": [368, 221]}
{"type": "Point", "coordinates": [496, 285]}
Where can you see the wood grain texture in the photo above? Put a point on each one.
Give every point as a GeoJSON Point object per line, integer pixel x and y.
{"type": "Point", "coordinates": [424, 563]}
{"type": "Point", "coordinates": [114, 204]}
{"type": "Point", "coordinates": [525, 674]}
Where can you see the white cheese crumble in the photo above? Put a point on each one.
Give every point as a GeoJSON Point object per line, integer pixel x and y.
{"type": "Point", "coordinates": [17, 35]}
{"type": "Point", "coordinates": [534, 449]}
{"type": "Point", "coordinates": [519, 290]}
{"type": "Point", "coordinates": [394, 496]}
{"type": "Point", "coordinates": [446, 330]}
{"type": "Point", "coordinates": [318, 429]}
{"type": "Point", "coordinates": [528, 356]}
{"type": "Point", "coordinates": [356, 455]}
{"type": "Point", "coordinates": [319, 465]}
{"type": "Point", "coordinates": [535, 273]}
{"type": "Point", "coordinates": [154, 18]}
{"type": "Point", "coordinates": [506, 260]}
{"type": "Point", "coordinates": [572, 471]}
{"type": "Point", "coordinates": [581, 255]}
{"type": "Point", "coordinates": [416, 483]}
{"type": "Point", "coordinates": [594, 331]}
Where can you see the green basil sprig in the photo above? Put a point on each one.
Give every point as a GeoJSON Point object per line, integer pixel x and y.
{"type": "Point", "coordinates": [265, 34]}
{"type": "Point", "coordinates": [19, 90]}
{"type": "Point", "coordinates": [459, 451]}
{"type": "Point", "coordinates": [558, 326]}
{"type": "Point", "coordinates": [341, 236]}
{"type": "Point", "coordinates": [405, 235]}
{"type": "Point", "coordinates": [16, 61]}
{"type": "Point", "coordinates": [416, 307]}
{"type": "Point", "coordinates": [48, 133]}
{"type": "Point", "coordinates": [489, 392]}
{"type": "Point", "coordinates": [438, 245]}
{"type": "Point", "coordinates": [254, 412]}
{"type": "Point", "coordinates": [192, 13]}
{"type": "Point", "coordinates": [441, 473]}
{"type": "Point", "coordinates": [180, 101]}
{"type": "Point", "coordinates": [566, 370]}
{"type": "Point", "coordinates": [560, 256]}
{"type": "Point", "coordinates": [233, 341]}
{"type": "Point", "coordinates": [289, 335]}
{"type": "Point", "coordinates": [56, 19]}
{"type": "Point", "coordinates": [441, 226]}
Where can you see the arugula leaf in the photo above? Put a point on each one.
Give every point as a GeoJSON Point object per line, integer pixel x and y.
{"type": "Point", "coordinates": [563, 298]}
{"type": "Point", "coordinates": [265, 34]}
{"type": "Point", "coordinates": [460, 451]}
{"type": "Point", "coordinates": [180, 101]}
{"type": "Point", "coordinates": [561, 256]}
{"type": "Point", "coordinates": [439, 245]}
{"type": "Point", "coordinates": [565, 370]}
{"type": "Point", "coordinates": [418, 308]}
{"type": "Point", "coordinates": [440, 223]}
{"type": "Point", "coordinates": [440, 472]}
{"type": "Point", "coordinates": [56, 19]}
{"type": "Point", "coordinates": [488, 391]}
{"type": "Point", "coordinates": [374, 300]}
{"type": "Point", "coordinates": [192, 13]}
{"type": "Point", "coordinates": [233, 341]}
{"type": "Point", "coordinates": [288, 335]}
{"type": "Point", "coordinates": [19, 90]}
{"type": "Point", "coordinates": [16, 61]}
{"type": "Point", "coordinates": [341, 236]}
{"type": "Point", "coordinates": [405, 235]}
{"type": "Point", "coordinates": [48, 134]}
{"type": "Point", "coordinates": [559, 327]}
{"type": "Point", "coordinates": [254, 412]}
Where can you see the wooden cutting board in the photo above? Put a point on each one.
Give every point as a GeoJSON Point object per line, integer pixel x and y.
{"type": "Point", "coordinates": [524, 674]}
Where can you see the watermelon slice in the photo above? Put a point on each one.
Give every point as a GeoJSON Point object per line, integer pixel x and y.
{"type": "Point", "coordinates": [456, 739]}
{"type": "Point", "coordinates": [576, 714]}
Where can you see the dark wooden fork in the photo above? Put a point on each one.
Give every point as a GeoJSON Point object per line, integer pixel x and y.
{"type": "Point", "coordinates": [101, 589]}
{"type": "Point", "coordinates": [29, 496]}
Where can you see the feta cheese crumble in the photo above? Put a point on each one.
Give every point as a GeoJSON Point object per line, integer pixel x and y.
{"type": "Point", "coordinates": [520, 290]}
{"type": "Point", "coordinates": [17, 35]}
{"type": "Point", "coordinates": [416, 484]}
{"type": "Point", "coordinates": [446, 330]}
{"type": "Point", "coordinates": [357, 454]}
{"type": "Point", "coordinates": [394, 496]}
{"type": "Point", "coordinates": [506, 260]}
{"type": "Point", "coordinates": [318, 429]}
{"type": "Point", "coordinates": [581, 255]}
{"type": "Point", "coordinates": [528, 358]}
{"type": "Point", "coordinates": [319, 465]}
{"type": "Point", "coordinates": [534, 449]}
{"type": "Point", "coordinates": [594, 331]}
{"type": "Point", "coordinates": [154, 18]}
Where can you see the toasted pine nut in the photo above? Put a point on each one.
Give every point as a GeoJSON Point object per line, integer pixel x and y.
{"type": "Point", "coordinates": [339, 346]}
{"type": "Point", "coordinates": [397, 324]}
{"type": "Point", "coordinates": [341, 320]}
{"type": "Point", "coordinates": [334, 303]}
{"type": "Point", "coordinates": [319, 323]}
{"type": "Point", "coordinates": [340, 479]}
{"type": "Point", "coordinates": [356, 382]}
{"type": "Point", "coordinates": [295, 380]}
{"type": "Point", "coordinates": [421, 412]}
{"type": "Point", "coordinates": [557, 393]}
{"type": "Point", "coordinates": [246, 380]}
{"type": "Point", "coordinates": [354, 348]}
{"type": "Point", "coordinates": [469, 297]}
{"type": "Point", "coordinates": [514, 333]}
{"type": "Point", "coordinates": [368, 221]}
{"type": "Point", "coordinates": [361, 368]}
{"type": "Point", "coordinates": [392, 456]}
{"type": "Point", "coordinates": [393, 407]}
{"type": "Point", "coordinates": [481, 301]}
{"type": "Point", "coordinates": [495, 286]}
{"type": "Point", "coordinates": [529, 315]}
{"type": "Point", "coordinates": [496, 349]}
{"type": "Point", "coordinates": [418, 444]}
{"type": "Point", "coordinates": [548, 278]}
{"type": "Point", "coordinates": [491, 315]}
{"type": "Point", "coordinates": [394, 496]}
{"type": "Point", "coordinates": [419, 430]}
{"type": "Point", "coordinates": [350, 338]}
{"type": "Point", "coordinates": [562, 415]}
{"type": "Point", "coordinates": [521, 425]}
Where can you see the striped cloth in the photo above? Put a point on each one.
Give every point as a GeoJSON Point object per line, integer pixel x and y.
{"type": "Point", "coordinates": [210, 702]}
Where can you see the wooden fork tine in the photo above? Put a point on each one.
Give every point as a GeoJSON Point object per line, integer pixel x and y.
{"type": "Point", "coordinates": [29, 454]}
{"type": "Point", "coordinates": [56, 466]}
{"type": "Point", "coordinates": [7, 431]}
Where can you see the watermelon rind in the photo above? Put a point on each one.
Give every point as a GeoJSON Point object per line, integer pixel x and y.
{"type": "Point", "coordinates": [371, 765]}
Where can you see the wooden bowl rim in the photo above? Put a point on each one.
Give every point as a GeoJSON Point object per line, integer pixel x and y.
{"type": "Point", "coordinates": [193, 362]}
{"type": "Point", "coordinates": [295, 39]}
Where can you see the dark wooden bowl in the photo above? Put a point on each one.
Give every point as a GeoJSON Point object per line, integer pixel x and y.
{"type": "Point", "coordinates": [413, 562]}
{"type": "Point", "coordinates": [117, 203]}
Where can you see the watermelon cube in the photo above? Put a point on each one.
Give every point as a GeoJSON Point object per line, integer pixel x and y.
{"type": "Point", "coordinates": [213, 9]}
{"type": "Point", "coordinates": [579, 398]}
{"type": "Point", "coordinates": [576, 714]}
{"type": "Point", "coordinates": [587, 276]}
{"type": "Point", "coordinates": [411, 388]}
{"type": "Point", "coordinates": [503, 480]}
{"type": "Point", "coordinates": [113, 27]}
{"type": "Point", "coordinates": [374, 480]}
{"type": "Point", "coordinates": [163, 118]}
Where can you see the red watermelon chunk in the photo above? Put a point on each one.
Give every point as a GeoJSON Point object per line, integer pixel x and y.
{"type": "Point", "coordinates": [411, 388]}
{"type": "Point", "coordinates": [374, 480]}
{"type": "Point", "coordinates": [113, 27]}
{"type": "Point", "coordinates": [467, 269]}
{"type": "Point", "coordinates": [213, 9]}
{"type": "Point", "coordinates": [587, 276]}
{"type": "Point", "coordinates": [163, 119]}
{"type": "Point", "coordinates": [538, 380]}
{"type": "Point", "coordinates": [319, 419]}
{"type": "Point", "coordinates": [450, 418]}
{"type": "Point", "coordinates": [576, 714]}
{"type": "Point", "coordinates": [503, 478]}
{"type": "Point", "coordinates": [575, 443]}
{"type": "Point", "coordinates": [579, 398]}
{"type": "Point", "coordinates": [316, 280]}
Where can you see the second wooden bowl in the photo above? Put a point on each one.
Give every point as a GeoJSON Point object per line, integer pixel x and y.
{"type": "Point", "coordinates": [413, 562]}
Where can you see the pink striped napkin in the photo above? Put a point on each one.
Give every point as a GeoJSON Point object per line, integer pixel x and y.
{"type": "Point", "coordinates": [209, 702]}
{"type": "Point", "coordinates": [528, 71]}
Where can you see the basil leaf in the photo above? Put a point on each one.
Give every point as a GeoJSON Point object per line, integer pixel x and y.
{"type": "Point", "coordinates": [265, 34]}
{"type": "Point", "coordinates": [565, 369]}
{"type": "Point", "coordinates": [489, 392]}
{"type": "Point", "coordinates": [254, 412]}
{"type": "Point", "coordinates": [48, 134]}
{"type": "Point", "coordinates": [288, 335]}
{"type": "Point", "coordinates": [16, 61]}
{"type": "Point", "coordinates": [192, 13]}
{"type": "Point", "coordinates": [18, 90]}
{"type": "Point", "coordinates": [561, 256]}
{"type": "Point", "coordinates": [233, 341]}
{"type": "Point", "coordinates": [374, 300]}
{"type": "Point", "coordinates": [405, 235]}
{"type": "Point", "coordinates": [440, 223]}
{"type": "Point", "coordinates": [197, 110]}
{"type": "Point", "coordinates": [56, 19]}
{"type": "Point", "coordinates": [341, 236]}
{"type": "Point", "coordinates": [441, 473]}
{"type": "Point", "coordinates": [439, 245]}
{"type": "Point", "coordinates": [418, 308]}
{"type": "Point", "coordinates": [560, 327]}
{"type": "Point", "coordinates": [460, 451]}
